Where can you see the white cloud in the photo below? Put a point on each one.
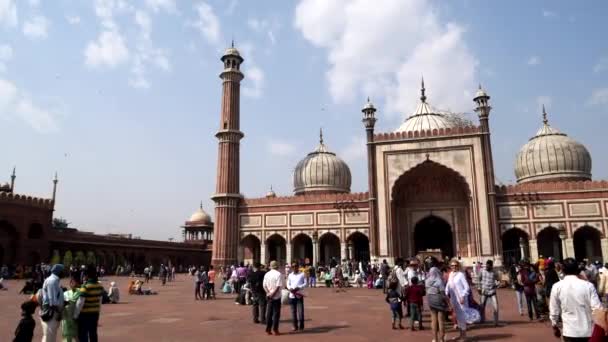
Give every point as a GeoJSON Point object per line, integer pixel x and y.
{"type": "Point", "coordinates": [36, 28]}
{"type": "Point", "coordinates": [109, 50]}
{"type": "Point", "coordinates": [263, 26]}
{"type": "Point", "coordinates": [34, 3]}
{"type": "Point", "coordinates": [534, 60]}
{"type": "Point", "coordinates": [602, 65]}
{"type": "Point", "coordinates": [231, 6]}
{"type": "Point", "coordinates": [165, 5]}
{"type": "Point", "coordinates": [281, 148]}
{"type": "Point", "coordinates": [549, 14]}
{"type": "Point", "coordinates": [8, 13]}
{"type": "Point", "coordinates": [207, 23]}
{"type": "Point", "coordinates": [73, 19]}
{"type": "Point", "coordinates": [599, 97]}
{"type": "Point", "coordinates": [107, 9]}
{"type": "Point", "coordinates": [254, 86]}
{"type": "Point", "coordinates": [16, 103]}
{"type": "Point", "coordinates": [399, 42]}
{"type": "Point", "coordinates": [146, 53]}
{"type": "Point", "coordinates": [271, 37]}
{"type": "Point", "coordinates": [356, 150]}
{"type": "Point", "coordinates": [6, 54]}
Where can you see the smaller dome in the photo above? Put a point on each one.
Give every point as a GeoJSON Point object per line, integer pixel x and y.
{"type": "Point", "coordinates": [552, 155]}
{"type": "Point", "coordinates": [481, 93]}
{"type": "Point", "coordinates": [200, 217]}
{"type": "Point", "coordinates": [232, 51]}
{"type": "Point", "coordinates": [369, 105]}
{"type": "Point", "coordinates": [271, 193]}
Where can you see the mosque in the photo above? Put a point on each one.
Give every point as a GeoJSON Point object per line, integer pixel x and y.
{"type": "Point", "coordinates": [431, 187]}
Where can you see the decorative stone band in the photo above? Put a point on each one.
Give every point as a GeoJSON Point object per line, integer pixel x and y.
{"type": "Point", "coordinates": [427, 134]}
{"type": "Point", "coordinates": [11, 198]}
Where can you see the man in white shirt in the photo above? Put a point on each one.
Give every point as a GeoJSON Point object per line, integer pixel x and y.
{"type": "Point", "coordinates": [296, 282]}
{"type": "Point", "coordinates": [573, 300]}
{"type": "Point", "coordinates": [273, 284]}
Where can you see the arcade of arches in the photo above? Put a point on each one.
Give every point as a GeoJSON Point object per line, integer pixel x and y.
{"type": "Point", "coordinates": [430, 212]}
{"type": "Point", "coordinates": [552, 242]}
{"type": "Point", "coordinates": [303, 248]}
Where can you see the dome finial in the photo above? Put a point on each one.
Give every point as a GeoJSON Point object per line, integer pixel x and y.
{"type": "Point", "coordinates": [232, 43]}
{"type": "Point", "coordinates": [201, 206]}
{"type": "Point", "coordinates": [321, 135]}
{"type": "Point", "coordinates": [422, 90]}
{"type": "Point", "coordinates": [545, 120]}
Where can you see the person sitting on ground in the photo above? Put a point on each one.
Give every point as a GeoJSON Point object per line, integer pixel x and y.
{"type": "Point", "coordinates": [113, 293]}
{"type": "Point", "coordinates": [25, 329]}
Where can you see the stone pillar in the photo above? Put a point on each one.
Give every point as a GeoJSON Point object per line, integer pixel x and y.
{"type": "Point", "coordinates": [315, 252]}
{"type": "Point", "coordinates": [343, 254]}
{"type": "Point", "coordinates": [568, 248]}
{"type": "Point", "coordinates": [263, 254]}
{"type": "Point", "coordinates": [533, 246]}
{"type": "Point", "coordinates": [604, 244]}
{"type": "Point", "coordinates": [288, 253]}
{"type": "Point", "coordinates": [350, 253]}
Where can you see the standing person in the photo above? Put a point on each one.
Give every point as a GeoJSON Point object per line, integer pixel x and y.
{"type": "Point", "coordinates": [458, 290]}
{"type": "Point", "coordinates": [203, 278]}
{"type": "Point", "coordinates": [394, 299]}
{"type": "Point", "coordinates": [147, 274]}
{"type": "Point", "coordinates": [197, 284]}
{"type": "Point", "coordinates": [518, 286]}
{"type": "Point", "coordinates": [25, 329]}
{"type": "Point", "coordinates": [487, 284]}
{"type": "Point", "coordinates": [313, 275]}
{"type": "Point", "coordinates": [52, 304]}
{"type": "Point", "coordinates": [211, 282]}
{"type": "Point", "coordinates": [273, 283]}
{"type": "Point", "coordinates": [241, 278]}
{"type": "Point", "coordinates": [69, 326]}
{"type": "Point", "coordinates": [528, 278]}
{"type": "Point", "coordinates": [602, 287]}
{"type": "Point", "coordinates": [258, 296]}
{"type": "Point", "coordinates": [90, 302]}
{"type": "Point", "coordinates": [572, 301]}
{"type": "Point", "coordinates": [296, 282]}
{"type": "Point", "coordinates": [384, 270]}
{"type": "Point", "coordinates": [437, 301]}
{"type": "Point", "coordinates": [413, 296]}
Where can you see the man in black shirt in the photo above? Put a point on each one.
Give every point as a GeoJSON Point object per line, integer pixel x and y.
{"type": "Point", "coordinates": [258, 295]}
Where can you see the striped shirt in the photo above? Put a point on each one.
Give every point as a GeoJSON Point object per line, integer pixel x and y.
{"type": "Point", "coordinates": [91, 292]}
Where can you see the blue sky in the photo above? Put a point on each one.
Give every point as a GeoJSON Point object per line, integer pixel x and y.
{"type": "Point", "coordinates": [122, 98]}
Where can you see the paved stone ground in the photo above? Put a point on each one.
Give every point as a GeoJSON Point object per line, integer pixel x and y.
{"type": "Point", "coordinates": [353, 316]}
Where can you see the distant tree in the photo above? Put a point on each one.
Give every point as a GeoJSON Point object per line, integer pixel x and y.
{"type": "Point", "coordinates": [67, 259]}
{"type": "Point", "coordinates": [91, 260]}
{"type": "Point", "coordinates": [56, 258]}
{"type": "Point", "coordinates": [80, 259]}
{"type": "Point", "coordinates": [60, 223]}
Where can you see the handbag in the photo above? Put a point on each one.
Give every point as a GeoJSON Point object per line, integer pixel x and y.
{"type": "Point", "coordinates": [46, 312]}
{"type": "Point", "coordinates": [284, 296]}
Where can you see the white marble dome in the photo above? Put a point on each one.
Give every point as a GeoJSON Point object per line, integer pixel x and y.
{"type": "Point", "coordinates": [552, 155]}
{"type": "Point", "coordinates": [200, 217]}
{"type": "Point", "coordinates": [321, 171]}
{"type": "Point", "coordinates": [426, 118]}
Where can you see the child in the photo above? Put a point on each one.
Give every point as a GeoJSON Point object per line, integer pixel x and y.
{"type": "Point", "coordinates": [413, 296]}
{"type": "Point", "coordinates": [69, 326]}
{"type": "Point", "coordinates": [393, 298]}
{"type": "Point", "coordinates": [25, 329]}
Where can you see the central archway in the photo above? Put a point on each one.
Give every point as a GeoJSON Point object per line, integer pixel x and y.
{"type": "Point", "coordinates": [587, 244]}
{"type": "Point", "coordinates": [329, 248]}
{"type": "Point", "coordinates": [549, 243]}
{"type": "Point", "coordinates": [432, 233]}
{"type": "Point", "coordinates": [276, 246]}
{"type": "Point", "coordinates": [301, 249]}
{"type": "Point", "coordinates": [430, 209]}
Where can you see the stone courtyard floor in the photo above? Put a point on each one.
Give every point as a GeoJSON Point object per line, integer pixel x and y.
{"type": "Point", "coordinates": [173, 315]}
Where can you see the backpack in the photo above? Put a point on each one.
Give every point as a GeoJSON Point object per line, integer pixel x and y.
{"type": "Point", "coordinates": [392, 277]}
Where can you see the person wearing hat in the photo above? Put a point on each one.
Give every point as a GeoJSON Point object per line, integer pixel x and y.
{"type": "Point", "coordinates": [51, 304]}
{"type": "Point", "coordinates": [273, 284]}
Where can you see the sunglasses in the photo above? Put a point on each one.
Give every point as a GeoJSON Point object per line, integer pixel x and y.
{"type": "Point", "coordinates": [454, 265]}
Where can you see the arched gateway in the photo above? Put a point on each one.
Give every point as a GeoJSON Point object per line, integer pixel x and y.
{"type": "Point", "coordinates": [431, 211]}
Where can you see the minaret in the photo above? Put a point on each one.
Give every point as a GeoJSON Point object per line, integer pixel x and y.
{"type": "Point", "coordinates": [55, 180]}
{"type": "Point", "coordinates": [369, 120]}
{"type": "Point", "coordinates": [227, 195]}
{"type": "Point", "coordinates": [483, 111]}
{"type": "Point", "coordinates": [13, 176]}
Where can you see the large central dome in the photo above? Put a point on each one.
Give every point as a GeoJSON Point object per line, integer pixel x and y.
{"type": "Point", "coordinates": [321, 171]}
{"type": "Point", "coordinates": [552, 155]}
{"type": "Point", "coordinates": [426, 118]}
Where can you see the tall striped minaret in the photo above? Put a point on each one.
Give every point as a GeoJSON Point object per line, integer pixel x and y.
{"type": "Point", "coordinates": [227, 195]}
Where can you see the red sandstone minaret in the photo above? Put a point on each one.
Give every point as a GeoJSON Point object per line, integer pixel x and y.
{"type": "Point", "coordinates": [227, 195]}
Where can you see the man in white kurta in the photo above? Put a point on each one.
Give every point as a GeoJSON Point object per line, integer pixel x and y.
{"type": "Point", "coordinates": [273, 284]}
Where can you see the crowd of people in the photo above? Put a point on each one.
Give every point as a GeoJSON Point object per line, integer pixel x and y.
{"type": "Point", "coordinates": [566, 293]}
